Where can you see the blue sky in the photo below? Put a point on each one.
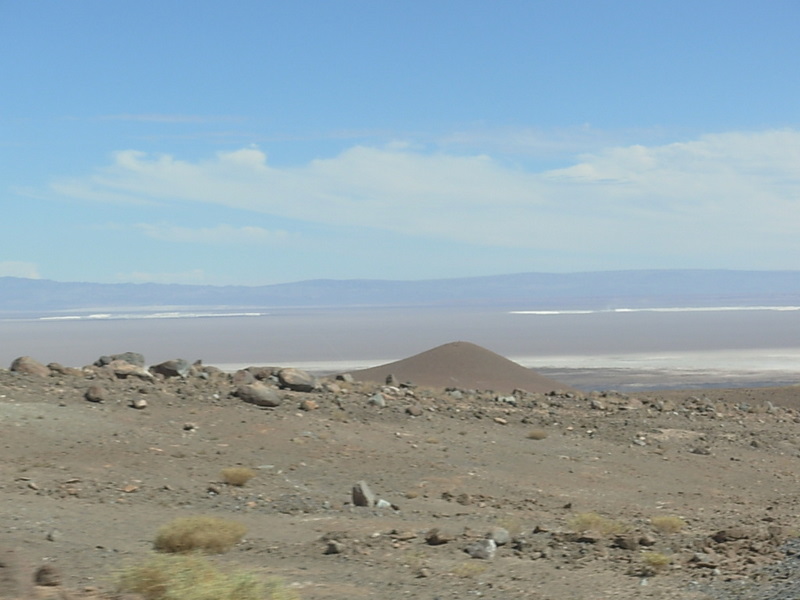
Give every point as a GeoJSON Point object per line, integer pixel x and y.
{"type": "Point", "coordinates": [256, 142]}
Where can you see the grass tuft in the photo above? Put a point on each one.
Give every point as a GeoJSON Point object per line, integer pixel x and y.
{"type": "Point", "coordinates": [537, 434]}
{"type": "Point", "coordinates": [204, 534]}
{"type": "Point", "coordinates": [237, 475]}
{"type": "Point", "coordinates": [590, 521]}
{"type": "Point", "coordinates": [667, 524]}
{"type": "Point", "coordinates": [192, 577]}
{"type": "Point", "coordinates": [468, 570]}
{"type": "Point", "coordinates": [656, 561]}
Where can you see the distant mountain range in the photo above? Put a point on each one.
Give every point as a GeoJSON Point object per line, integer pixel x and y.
{"type": "Point", "coordinates": [524, 291]}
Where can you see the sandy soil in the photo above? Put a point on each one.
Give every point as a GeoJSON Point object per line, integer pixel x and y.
{"type": "Point", "coordinates": [84, 486]}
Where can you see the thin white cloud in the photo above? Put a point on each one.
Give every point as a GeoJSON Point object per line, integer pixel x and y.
{"type": "Point", "coordinates": [162, 118]}
{"type": "Point", "coordinates": [717, 198]}
{"type": "Point", "coordinates": [16, 268]}
{"type": "Point", "coordinates": [220, 234]}
{"type": "Point", "coordinates": [549, 145]}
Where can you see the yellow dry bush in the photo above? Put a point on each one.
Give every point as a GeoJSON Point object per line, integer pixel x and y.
{"type": "Point", "coordinates": [237, 475]}
{"type": "Point", "coordinates": [656, 560]}
{"type": "Point", "coordinates": [590, 521]}
{"type": "Point", "coordinates": [204, 534]}
{"type": "Point", "coordinates": [192, 577]}
{"type": "Point", "coordinates": [537, 434]}
{"type": "Point", "coordinates": [667, 524]}
{"type": "Point", "coordinates": [468, 570]}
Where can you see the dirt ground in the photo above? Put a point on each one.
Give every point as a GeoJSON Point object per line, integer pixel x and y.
{"type": "Point", "coordinates": [588, 487]}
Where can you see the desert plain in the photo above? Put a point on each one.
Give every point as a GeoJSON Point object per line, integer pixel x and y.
{"type": "Point", "coordinates": [485, 480]}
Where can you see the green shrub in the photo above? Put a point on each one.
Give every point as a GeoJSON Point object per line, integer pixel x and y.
{"type": "Point", "coordinates": [192, 577]}
{"type": "Point", "coordinates": [205, 534]}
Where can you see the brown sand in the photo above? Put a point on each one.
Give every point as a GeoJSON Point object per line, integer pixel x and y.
{"type": "Point", "coordinates": [84, 486]}
{"type": "Point", "coordinates": [462, 365]}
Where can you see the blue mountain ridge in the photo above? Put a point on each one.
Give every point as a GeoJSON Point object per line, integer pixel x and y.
{"type": "Point", "coordinates": [531, 291]}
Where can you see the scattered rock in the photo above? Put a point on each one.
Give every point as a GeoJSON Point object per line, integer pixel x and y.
{"type": "Point", "coordinates": [29, 366]}
{"type": "Point", "coordinates": [626, 542]}
{"type": "Point", "coordinates": [334, 547]}
{"type": "Point", "coordinates": [243, 377]}
{"type": "Point", "coordinates": [730, 535]}
{"type": "Point", "coordinates": [377, 399]}
{"type": "Point", "coordinates": [123, 370]}
{"type": "Point", "coordinates": [259, 394]}
{"type": "Point", "coordinates": [133, 358]}
{"type": "Point", "coordinates": [308, 405]}
{"type": "Point", "coordinates": [47, 575]}
{"type": "Point", "coordinates": [437, 537]}
{"type": "Point", "coordinates": [362, 495]}
{"type": "Point", "coordinates": [96, 393]}
{"type": "Point", "coordinates": [62, 370]}
{"type": "Point", "coordinates": [176, 367]}
{"type": "Point", "coordinates": [499, 535]}
{"type": "Point", "coordinates": [297, 380]}
{"type": "Point", "coordinates": [483, 549]}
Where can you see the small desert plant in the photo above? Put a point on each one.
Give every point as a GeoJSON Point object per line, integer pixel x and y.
{"type": "Point", "coordinates": [667, 524]}
{"type": "Point", "coordinates": [469, 569]}
{"type": "Point", "coordinates": [656, 561]}
{"type": "Point", "coordinates": [237, 475]}
{"type": "Point", "coordinates": [537, 434]}
{"type": "Point", "coordinates": [205, 534]}
{"type": "Point", "coordinates": [511, 524]}
{"type": "Point", "coordinates": [192, 577]}
{"type": "Point", "coordinates": [590, 521]}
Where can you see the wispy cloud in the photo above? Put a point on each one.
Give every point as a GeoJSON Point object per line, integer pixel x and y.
{"type": "Point", "coordinates": [558, 144]}
{"type": "Point", "coordinates": [220, 234]}
{"type": "Point", "coordinates": [721, 197]}
{"type": "Point", "coordinates": [16, 268]}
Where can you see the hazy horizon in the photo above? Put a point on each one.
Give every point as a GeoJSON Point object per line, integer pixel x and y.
{"type": "Point", "coordinates": [719, 343]}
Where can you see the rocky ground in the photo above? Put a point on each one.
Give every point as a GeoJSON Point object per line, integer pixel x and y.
{"type": "Point", "coordinates": [538, 495]}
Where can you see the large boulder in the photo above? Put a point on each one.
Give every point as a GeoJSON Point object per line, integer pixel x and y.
{"type": "Point", "coordinates": [297, 380]}
{"type": "Point", "coordinates": [123, 369]}
{"type": "Point", "coordinates": [176, 367]}
{"type": "Point", "coordinates": [29, 366]}
{"type": "Point", "coordinates": [259, 394]}
{"type": "Point", "coordinates": [133, 358]}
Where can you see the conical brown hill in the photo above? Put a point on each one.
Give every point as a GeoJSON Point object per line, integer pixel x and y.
{"type": "Point", "coordinates": [461, 365]}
